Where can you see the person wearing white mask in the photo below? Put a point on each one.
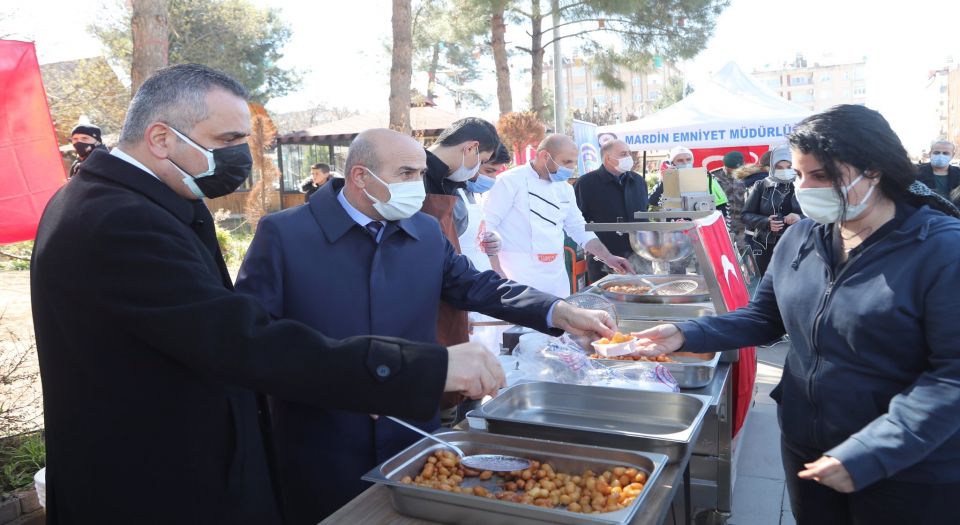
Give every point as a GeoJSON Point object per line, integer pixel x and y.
{"type": "Point", "coordinates": [452, 160]}
{"type": "Point", "coordinates": [939, 175]}
{"type": "Point", "coordinates": [360, 258]}
{"type": "Point", "coordinates": [771, 206]}
{"type": "Point", "coordinates": [611, 193]}
{"type": "Point", "coordinates": [531, 207]}
{"type": "Point", "coordinates": [867, 290]}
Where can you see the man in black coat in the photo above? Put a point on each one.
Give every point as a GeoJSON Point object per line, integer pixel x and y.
{"type": "Point", "coordinates": [939, 175]}
{"type": "Point", "coordinates": [611, 193]}
{"type": "Point", "coordinates": [151, 364]}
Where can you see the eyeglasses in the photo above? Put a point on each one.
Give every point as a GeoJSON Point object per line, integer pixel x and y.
{"type": "Point", "coordinates": [941, 153]}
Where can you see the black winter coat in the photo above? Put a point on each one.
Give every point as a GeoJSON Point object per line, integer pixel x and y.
{"type": "Point", "coordinates": [768, 197]}
{"type": "Point", "coordinates": [602, 198]}
{"type": "Point", "coordinates": [151, 363]}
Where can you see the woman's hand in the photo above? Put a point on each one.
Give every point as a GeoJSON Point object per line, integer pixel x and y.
{"type": "Point", "coordinates": [775, 224]}
{"type": "Point", "coordinates": [791, 219]}
{"type": "Point", "coordinates": [829, 472]}
{"type": "Point", "coordinates": [661, 339]}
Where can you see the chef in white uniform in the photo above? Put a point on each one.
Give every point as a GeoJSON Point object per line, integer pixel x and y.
{"type": "Point", "coordinates": [530, 207]}
{"type": "Point", "coordinates": [481, 246]}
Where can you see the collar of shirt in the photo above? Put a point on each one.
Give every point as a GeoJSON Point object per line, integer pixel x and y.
{"type": "Point", "coordinates": [613, 177]}
{"type": "Point", "coordinates": [357, 216]}
{"type": "Point", "coordinates": [118, 153]}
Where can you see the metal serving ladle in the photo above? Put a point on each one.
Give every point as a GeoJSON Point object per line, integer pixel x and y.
{"type": "Point", "coordinates": [491, 462]}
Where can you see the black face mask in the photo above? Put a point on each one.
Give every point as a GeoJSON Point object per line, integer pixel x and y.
{"type": "Point", "coordinates": [232, 166]}
{"type": "Point", "coordinates": [83, 149]}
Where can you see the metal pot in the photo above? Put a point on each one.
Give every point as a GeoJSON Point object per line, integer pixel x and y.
{"type": "Point", "coordinates": [661, 246]}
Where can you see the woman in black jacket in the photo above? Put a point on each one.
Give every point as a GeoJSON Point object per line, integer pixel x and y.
{"type": "Point", "coordinates": [869, 399]}
{"type": "Point", "coordinates": [770, 207]}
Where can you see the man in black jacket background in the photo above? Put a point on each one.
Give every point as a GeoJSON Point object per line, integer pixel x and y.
{"type": "Point", "coordinates": [939, 175]}
{"type": "Point", "coordinates": [611, 193]}
{"type": "Point", "coordinates": [151, 363]}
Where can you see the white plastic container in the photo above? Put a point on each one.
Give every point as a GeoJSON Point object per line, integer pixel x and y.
{"type": "Point", "coordinates": [615, 349]}
{"type": "Point", "coordinates": [40, 483]}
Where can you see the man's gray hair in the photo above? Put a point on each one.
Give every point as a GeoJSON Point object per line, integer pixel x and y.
{"type": "Point", "coordinates": [175, 95]}
{"type": "Point", "coordinates": [362, 152]}
{"type": "Point", "coordinates": [943, 142]}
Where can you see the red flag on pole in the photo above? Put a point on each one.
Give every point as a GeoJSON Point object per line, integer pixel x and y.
{"type": "Point", "coordinates": [723, 260]}
{"type": "Point", "coordinates": [30, 167]}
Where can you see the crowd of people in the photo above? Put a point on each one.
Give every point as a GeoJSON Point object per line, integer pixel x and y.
{"type": "Point", "coordinates": [262, 400]}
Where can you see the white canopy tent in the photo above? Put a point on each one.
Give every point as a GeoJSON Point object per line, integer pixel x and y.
{"type": "Point", "coordinates": [731, 109]}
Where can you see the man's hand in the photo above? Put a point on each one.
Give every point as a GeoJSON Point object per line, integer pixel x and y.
{"type": "Point", "coordinates": [473, 371]}
{"type": "Point", "coordinates": [791, 219]}
{"type": "Point", "coordinates": [829, 472]}
{"type": "Point", "coordinates": [598, 250]}
{"type": "Point", "coordinates": [661, 339]}
{"type": "Point", "coordinates": [619, 264]}
{"type": "Point", "coordinates": [580, 321]}
{"type": "Point", "coordinates": [490, 243]}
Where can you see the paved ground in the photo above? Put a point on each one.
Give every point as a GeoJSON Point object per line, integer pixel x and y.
{"type": "Point", "coordinates": [760, 497]}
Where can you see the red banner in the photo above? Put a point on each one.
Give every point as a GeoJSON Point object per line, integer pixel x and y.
{"type": "Point", "coordinates": [712, 158]}
{"type": "Point", "coordinates": [30, 167]}
{"type": "Point", "coordinates": [723, 259]}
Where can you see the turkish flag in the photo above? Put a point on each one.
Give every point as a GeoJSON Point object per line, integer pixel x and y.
{"type": "Point", "coordinates": [30, 167]}
{"type": "Point", "coordinates": [712, 158]}
{"type": "Point", "coordinates": [723, 259]}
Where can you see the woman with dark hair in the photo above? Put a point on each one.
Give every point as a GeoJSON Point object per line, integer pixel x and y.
{"type": "Point", "coordinates": [867, 289]}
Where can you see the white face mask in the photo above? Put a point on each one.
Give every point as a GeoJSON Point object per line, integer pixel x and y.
{"type": "Point", "coordinates": [787, 175]}
{"type": "Point", "coordinates": [406, 199]}
{"type": "Point", "coordinates": [824, 205]}
{"type": "Point", "coordinates": [625, 164]}
{"type": "Point", "coordinates": [464, 173]}
{"type": "Point", "coordinates": [681, 165]}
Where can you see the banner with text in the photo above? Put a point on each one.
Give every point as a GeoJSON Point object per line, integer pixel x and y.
{"type": "Point", "coordinates": [585, 135]}
{"type": "Point", "coordinates": [701, 136]}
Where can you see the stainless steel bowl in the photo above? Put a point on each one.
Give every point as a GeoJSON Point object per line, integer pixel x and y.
{"type": "Point", "coordinates": [661, 246]}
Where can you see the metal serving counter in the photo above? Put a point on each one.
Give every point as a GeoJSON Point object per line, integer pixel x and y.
{"type": "Point", "coordinates": [711, 471]}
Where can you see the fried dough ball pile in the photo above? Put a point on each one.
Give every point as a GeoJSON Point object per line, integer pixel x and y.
{"type": "Point", "coordinates": [538, 485]}
{"type": "Point", "coordinates": [662, 358]}
{"type": "Point", "coordinates": [628, 289]}
{"type": "Point", "coordinates": [616, 339]}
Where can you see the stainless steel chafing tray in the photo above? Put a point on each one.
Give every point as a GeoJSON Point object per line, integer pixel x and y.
{"type": "Point", "coordinates": [699, 295]}
{"type": "Point", "coordinates": [690, 370]}
{"type": "Point", "coordinates": [665, 423]}
{"type": "Point", "coordinates": [449, 507]}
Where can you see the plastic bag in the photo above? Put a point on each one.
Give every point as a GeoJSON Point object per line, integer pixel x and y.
{"type": "Point", "coordinates": [560, 360]}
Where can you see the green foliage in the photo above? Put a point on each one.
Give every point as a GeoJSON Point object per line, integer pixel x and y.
{"type": "Point", "coordinates": [234, 36]}
{"type": "Point", "coordinates": [16, 256]}
{"type": "Point", "coordinates": [233, 244]}
{"type": "Point", "coordinates": [672, 93]}
{"type": "Point", "coordinates": [21, 460]}
{"type": "Point", "coordinates": [446, 46]}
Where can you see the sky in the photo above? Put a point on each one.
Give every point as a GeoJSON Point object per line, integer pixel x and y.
{"type": "Point", "coordinates": [340, 47]}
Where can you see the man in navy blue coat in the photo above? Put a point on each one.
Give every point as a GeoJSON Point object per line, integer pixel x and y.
{"type": "Point", "coordinates": [339, 265]}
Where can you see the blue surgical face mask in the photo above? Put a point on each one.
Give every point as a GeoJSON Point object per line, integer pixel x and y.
{"type": "Point", "coordinates": [562, 174]}
{"type": "Point", "coordinates": [940, 161]}
{"type": "Point", "coordinates": [482, 184]}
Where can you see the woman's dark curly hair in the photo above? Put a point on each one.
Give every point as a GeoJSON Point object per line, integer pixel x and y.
{"type": "Point", "coordinates": [862, 138]}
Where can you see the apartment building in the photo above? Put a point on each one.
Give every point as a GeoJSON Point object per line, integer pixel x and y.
{"type": "Point", "coordinates": [586, 93]}
{"type": "Point", "coordinates": [817, 86]}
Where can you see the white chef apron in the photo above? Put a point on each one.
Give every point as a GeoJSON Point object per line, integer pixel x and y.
{"type": "Point", "coordinates": [489, 336]}
{"type": "Point", "coordinates": [544, 268]}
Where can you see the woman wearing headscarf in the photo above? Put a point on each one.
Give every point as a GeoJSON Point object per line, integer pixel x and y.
{"type": "Point", "coordinates": [771, 207]}
{"type": "Point", "coordinates": [866, 288]}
